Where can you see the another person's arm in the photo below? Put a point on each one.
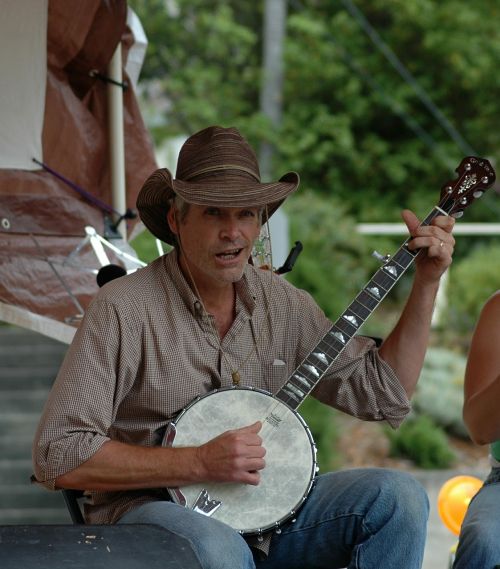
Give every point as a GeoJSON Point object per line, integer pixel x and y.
{"type": "Point", "coordinates": [482, 376]}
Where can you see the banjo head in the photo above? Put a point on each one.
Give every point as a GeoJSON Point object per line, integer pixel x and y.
{"type": "Point", "coordinates": [290, 457]}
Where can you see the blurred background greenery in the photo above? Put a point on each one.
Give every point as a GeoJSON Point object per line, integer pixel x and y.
{"type": "Point", "coordinates": [375, 104]}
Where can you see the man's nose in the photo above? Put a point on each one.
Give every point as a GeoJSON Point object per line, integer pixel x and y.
{"type": "Point", "coordinates": [230, 229]}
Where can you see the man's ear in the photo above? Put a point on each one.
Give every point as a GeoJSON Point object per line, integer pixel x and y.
{"type": "Point", "coordinates": [172, 220]}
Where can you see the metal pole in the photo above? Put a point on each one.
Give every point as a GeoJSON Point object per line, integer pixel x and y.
{"type": "Point", "coordinates": [116, 137]}
{"type": "Point", "coordinates": [275, 12]}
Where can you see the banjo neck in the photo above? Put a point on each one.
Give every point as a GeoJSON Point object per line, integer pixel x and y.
{"type": "Point", "coordinates": [316, 364]}
{"type": "Point", "coordinates": [475, 175]}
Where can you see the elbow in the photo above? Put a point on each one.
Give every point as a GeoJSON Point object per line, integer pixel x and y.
{"type": "Point", "coordinates": [70, 481]}
{"type": "Point", "coordinates": [478, 438]}
{"type": "Point", "coordinates": [479, 432]}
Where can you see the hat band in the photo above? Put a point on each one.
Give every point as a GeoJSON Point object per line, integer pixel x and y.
{"type": "Point", "coordinates": [221, 169]}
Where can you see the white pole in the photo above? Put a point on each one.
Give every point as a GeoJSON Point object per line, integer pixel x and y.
{"type": "Point", "coordinates": [116, 138]}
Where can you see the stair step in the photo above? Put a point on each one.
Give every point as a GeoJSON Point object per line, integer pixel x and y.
{"type": "Point", "coordinates": [15, 400]}
{"type": "Point", "coordinates": [15, 335]}
{"type": "Point", "coordinates": [19, 423]}
{"type": "Point", "coordinates": [27, 350]}
{"type": "Point", "coordinates": [34, 516]}
{"type": "Point", "coordinates": [15, 445]}
{"type": "Point", "coordinates": [28, 496]}
{"type": "Point", "coordinates": [27, 378]}
{"type": "Point", "coordinates": [29, 363]}
{"type": "Point", "coordinates": [15, 471]}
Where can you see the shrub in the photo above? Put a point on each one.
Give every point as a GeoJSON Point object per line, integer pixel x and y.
{"type": "Point", "coordinates": [328, 267]}
{"type": "Point", "coordinates": [472, 280]}
{"type": "Point", "coordinates": [321, 421]}
{"type": "Point", "coordinates": [422, 441]}
{"type": "Point", "coordinates": [439, 392]}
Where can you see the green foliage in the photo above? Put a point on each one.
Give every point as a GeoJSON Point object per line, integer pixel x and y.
{"type": "Point", "coordinates": [422, 441]}
{"type": "Point", "coordinates": [472, 280]}
{"type": "Point", "coordinates": [439, 393]}
{"type": "Point", "coordinates": [352, 126]}
{"type": "Point", "coordinates": [328, 266]}
{"type": "Point", "coordinates": [145, 246]}
{"type": "Point", "coordinates": [321, 422]}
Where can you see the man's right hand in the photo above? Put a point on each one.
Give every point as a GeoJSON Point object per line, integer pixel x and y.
{"type": "Point", "coordinates": [233, 456]}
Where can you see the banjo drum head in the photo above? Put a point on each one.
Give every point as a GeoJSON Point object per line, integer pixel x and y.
{"type": "Point", "coordinates": [290, 457]}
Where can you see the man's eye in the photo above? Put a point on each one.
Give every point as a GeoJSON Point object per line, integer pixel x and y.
{"type": "Point", "coordinates": [248, 213]}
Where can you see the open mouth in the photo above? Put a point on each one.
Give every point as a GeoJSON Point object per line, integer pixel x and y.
{"type": "Point", "coordinates": [229, 255]}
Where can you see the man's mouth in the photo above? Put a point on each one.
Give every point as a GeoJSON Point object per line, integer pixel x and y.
{"type": "Point", "coordinates": [229, 255]}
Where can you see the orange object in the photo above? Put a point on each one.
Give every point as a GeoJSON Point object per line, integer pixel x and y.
{"type": "Point", "coordinates": [454, 498]}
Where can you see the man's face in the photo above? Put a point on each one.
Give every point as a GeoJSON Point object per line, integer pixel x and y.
{"type": "Point", "coordinates": [216, 242]}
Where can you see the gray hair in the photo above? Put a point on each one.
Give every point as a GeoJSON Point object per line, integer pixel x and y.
{"type": "Point", "coordinates": [180, 205]}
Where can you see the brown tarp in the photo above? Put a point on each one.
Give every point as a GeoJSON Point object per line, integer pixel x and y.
{"type": "Point", "coordinates": [42, 219]}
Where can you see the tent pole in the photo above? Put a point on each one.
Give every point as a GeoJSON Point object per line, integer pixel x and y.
{"type": "Point", "coordinates": [116, 137]}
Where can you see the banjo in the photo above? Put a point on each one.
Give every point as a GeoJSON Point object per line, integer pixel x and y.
{"type": "Point", "coordinates": [291, 464]}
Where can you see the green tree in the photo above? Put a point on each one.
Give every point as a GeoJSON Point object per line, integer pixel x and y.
{"type": "Point", "coordinates": [352, 126]}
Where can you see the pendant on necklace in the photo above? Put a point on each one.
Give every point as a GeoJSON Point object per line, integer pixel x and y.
{"type": "Point", "coordinates": [236, 377]}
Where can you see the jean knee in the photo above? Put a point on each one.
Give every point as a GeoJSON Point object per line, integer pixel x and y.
{"type": "Point", "coordinates": [408, 497]}
{"type": "Point", "coordinates": [216, 545]}
{"type": "Point", "coordinates": [224, 549]}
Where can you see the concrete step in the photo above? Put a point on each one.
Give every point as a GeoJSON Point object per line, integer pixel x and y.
{"type": "Point", "coordinates": [30, 356]}
{"type": "Point", "coordinates": [16, 445]}
{"type": "Point", "coordinates": [15, 471]}
{"type": "Point", "coordinates": [17, 516]}
{"type": "Point", "coordinates": [27, 496]}
{"type": "Point", "coordinates": [16, 400]}
{"type": "Point", "coordinates": [23, 375]}
{"type": "Point", "coordinates": [29, 363]}
{"type": "Point", "coordinates": [19, 423]}
{"type": "Point", "coordinates": [30, 352]}
{"type": "Point", "coordinates": [15, 335]}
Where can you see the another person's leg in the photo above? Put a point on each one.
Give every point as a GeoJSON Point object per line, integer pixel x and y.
{"type": "Point", "coordinates": [362, 518]}
{"type": "Point", "coordinates": [479, 542]}
{"type": "Point", "coordinates": [216, 545]}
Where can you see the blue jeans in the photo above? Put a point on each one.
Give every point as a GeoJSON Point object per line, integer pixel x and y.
{"type": "Point", "coordinates": [479, 542]}
{"type": "Point", "coordinates": [362, 518]}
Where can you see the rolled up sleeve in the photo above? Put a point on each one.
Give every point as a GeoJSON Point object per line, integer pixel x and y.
{"type": "Point", "coordinates": [83, 402]}
{"type": "Point", "coordinates": [362, 384]}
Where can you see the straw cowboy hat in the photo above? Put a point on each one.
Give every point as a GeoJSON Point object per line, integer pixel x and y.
{"type": "Point", "coordinates": [216, 167]}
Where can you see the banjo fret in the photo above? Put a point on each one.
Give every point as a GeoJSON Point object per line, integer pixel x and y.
{"type": "Point", "coordinates": [361, 311]}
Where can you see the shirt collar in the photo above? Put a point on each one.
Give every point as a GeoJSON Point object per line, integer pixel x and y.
{"type": "Point", "coordinates": [244, 291]}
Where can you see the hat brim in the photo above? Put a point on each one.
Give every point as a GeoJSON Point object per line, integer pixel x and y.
{"type": "Point", "coordinates": [154, 199]}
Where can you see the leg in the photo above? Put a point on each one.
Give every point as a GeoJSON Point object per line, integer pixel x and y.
{"type": "Point", "coordinates": [360, 519]}
{"type": "Point", "coordinates": [216, 545]}
{"type": "Point", "coordinates": [479, 543]}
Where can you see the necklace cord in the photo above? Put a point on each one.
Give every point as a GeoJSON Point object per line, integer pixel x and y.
{"type": "Point", "coordinates": [235, 375]}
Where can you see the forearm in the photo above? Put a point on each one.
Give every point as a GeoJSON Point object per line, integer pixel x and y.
{"type": "Point", "coordinates": [233, 456]}
{"type": "Point", "coordinates": [405, 347]}
{"type": "Point", "coordinates": [481, 414]}
{"type": "Point", "coordinates": [119, 466]}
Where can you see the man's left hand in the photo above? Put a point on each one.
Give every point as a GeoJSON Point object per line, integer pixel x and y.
{"type": "Point", "coordinates": [435, 240]}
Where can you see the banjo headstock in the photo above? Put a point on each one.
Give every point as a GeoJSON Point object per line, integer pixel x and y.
{"type": "Point", "coordinates": [475, 176]}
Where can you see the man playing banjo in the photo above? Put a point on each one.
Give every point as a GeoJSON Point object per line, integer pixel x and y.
{"type": "Point", "coordinates": [203, 321]}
